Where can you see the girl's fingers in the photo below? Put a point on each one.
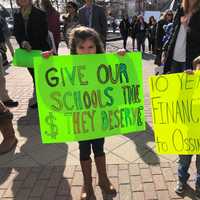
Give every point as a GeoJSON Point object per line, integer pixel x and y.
{"type": "Point", "coordinates": [121, 52]}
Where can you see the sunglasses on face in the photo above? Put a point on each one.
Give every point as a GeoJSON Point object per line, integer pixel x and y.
{"type": "Point", "coordinates": [69, 7]}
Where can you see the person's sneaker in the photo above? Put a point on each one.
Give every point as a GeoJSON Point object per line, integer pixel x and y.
{"type": "Point", "coordinates": [197, 192]}
{"type": "Point", "coordinates": [10, 103]}
{"type": "Point", "coordinates": [180, 187]}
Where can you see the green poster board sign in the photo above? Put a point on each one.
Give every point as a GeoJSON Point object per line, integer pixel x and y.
{"type": "Point", "coordinates": [23, 58]}
{"type": "Point", "coordinates": [83, 97]}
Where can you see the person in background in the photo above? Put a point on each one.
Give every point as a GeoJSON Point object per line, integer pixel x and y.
{"type": "Point", "coordinates": [53, 19]}
{"type": "Point", "coordinates": [7, 130]}
{"type": "Point", "coordinates": [140, 33]}
{"type": "Point", "coordinates": [124, 28]}
{"type": "Point", "coordinates": [71, 20]}
{"type": "Point", "coordinates": [160, 32]}
{"type": "Point", "coordinates": [31, 31]}
{"type": "Point", "coordinates": [7, 34]}
{"type": "Point", "coordinates": [183, 48]}
{"type": "Point", "coordinates": [93, 16]}
{"type": "Point", "coordinates": [132, 31]}
{"type": "Point", "coordinates": [114, 24]}
{"type": "Point", "coordinates": [151, 34]}
{"type": "Point", "coordinates": [3, 92]}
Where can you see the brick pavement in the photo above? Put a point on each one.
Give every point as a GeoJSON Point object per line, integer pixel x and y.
{"type": "Point", "coordinates": [37, 171]}
{"type": "Point", "coordinates": [133, 181]}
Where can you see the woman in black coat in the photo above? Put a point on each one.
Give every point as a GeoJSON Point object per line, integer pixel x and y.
{"type": "Point", "coordinates": [190, 20]}
{"type": "Point", "coordinates": [151, 34]}
{"type": "Point", "coordinates": [132, 30]}
{"type": "Point", "coordinates": [31, 29]}
{"type": "Point", "coordinates": [140, 33]}
{"type": "Point", "coordinates": [160, 33]}
{"type": "Point", "coordinates": [124, 27]}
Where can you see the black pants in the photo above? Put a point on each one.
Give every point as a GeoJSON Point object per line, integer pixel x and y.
{"type": "Point", "coordinates": [125, 37]}
{"type": "Point", "coordinates": [141, 43]}
{"type": "Point", "coordinates": [151, 42]}
{"type": "Point", "coordinates": [85, 148]}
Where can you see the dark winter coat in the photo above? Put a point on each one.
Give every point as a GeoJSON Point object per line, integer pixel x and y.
{"type": "Point", "coordinates": [37, 29]}
{"type": "Point", "coordinates": [124, 27]}
{"type": "Point", "coordinates": [139, 33]}
{"type": "Point", "coordinates": [160, 32]}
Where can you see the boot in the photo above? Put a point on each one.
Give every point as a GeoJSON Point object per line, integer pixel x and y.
{"type": "Point", "coordinates": [104, 182]}
{"type": "Point", "coordinates": [87, 192]}
{"type": "Point", "coordinates": [6, 128]}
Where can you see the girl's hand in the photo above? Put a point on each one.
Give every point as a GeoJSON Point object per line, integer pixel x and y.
{"type": "Point", "coordinates": [121, 52]}
{"type": "Point", "coordinates": [47, 54]}
{"type": "Point", "coordinates": [189, 71]}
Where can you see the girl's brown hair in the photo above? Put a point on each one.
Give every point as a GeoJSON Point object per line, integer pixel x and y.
{"type": "Point", "coordinates": [186, 3]}
{"type": "Point", "coordinates": [81, 34]}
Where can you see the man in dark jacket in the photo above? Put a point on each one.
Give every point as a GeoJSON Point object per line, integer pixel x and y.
{"type": "Point", "coordinates": [31, 29]}
{"type": "Point", "coordinates": [92, 15]}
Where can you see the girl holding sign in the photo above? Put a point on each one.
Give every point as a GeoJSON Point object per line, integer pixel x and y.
{"type": "Point", "coordinates": [85, 40]}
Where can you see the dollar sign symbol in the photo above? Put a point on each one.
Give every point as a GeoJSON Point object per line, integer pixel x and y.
{"type": "Point", "coordinates": [50, 120]}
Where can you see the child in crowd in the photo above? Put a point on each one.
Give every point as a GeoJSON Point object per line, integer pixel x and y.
{"type": "Point", "coordinates": [185, 160]}
{"type": "Point", "coordinates": [85, 40]}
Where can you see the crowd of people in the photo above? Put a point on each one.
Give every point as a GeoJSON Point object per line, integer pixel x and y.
{"type": "Point", "coordinates": [174, 39]}
{"type": "Point", "coordinates": [139, 30]}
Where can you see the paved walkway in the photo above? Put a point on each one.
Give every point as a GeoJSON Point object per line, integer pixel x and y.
{"type": "Point", "coordinates": [37, 171]}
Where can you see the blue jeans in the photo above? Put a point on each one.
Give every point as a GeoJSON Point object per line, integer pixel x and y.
{"type": "Point", "coordinates": [184, 164]}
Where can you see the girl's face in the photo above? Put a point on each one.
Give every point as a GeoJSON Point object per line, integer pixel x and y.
{"type": "Point", "coordinates": [86, 47]}
{"type": "Point", "coordinates": [23, 3]}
